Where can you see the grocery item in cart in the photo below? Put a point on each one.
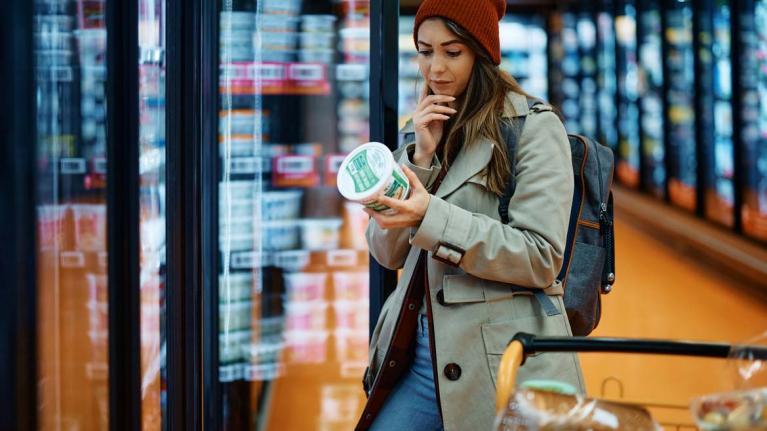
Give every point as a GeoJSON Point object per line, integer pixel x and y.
{"type": "Point", "coordinates": [739, 410]}
{"type": "Point", "coordinates": [533, 409]}
{"type": "Point", "coordinates": [369, 171]}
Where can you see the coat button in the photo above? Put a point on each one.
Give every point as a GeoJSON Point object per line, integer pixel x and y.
{"type": "Point", "coordinates": [452, 371]}
{"type": "Point", "coordinates": [441, 297]}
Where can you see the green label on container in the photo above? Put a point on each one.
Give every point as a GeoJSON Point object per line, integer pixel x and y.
{"type": "Point", "coordinates": [361, 172]}
{"type": "Point", "coordinates": [399, 183]}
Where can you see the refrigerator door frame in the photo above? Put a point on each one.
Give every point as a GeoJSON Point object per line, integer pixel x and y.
{"type": "Point", "coordinates": [384, 95]}
{"type": "Point", "coordinates": [18, 298]}
{"type": "Point", "coordinates": [123, 215]}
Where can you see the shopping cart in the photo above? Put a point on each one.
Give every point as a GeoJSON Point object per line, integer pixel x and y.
{"type": "Point", "coordinates": [523, 345]}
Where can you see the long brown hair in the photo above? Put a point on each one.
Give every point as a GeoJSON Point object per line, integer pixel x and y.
{"type": "Point", "coordinates": [479, 113]}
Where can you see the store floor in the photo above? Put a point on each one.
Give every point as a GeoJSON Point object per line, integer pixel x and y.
{"type": "Point", "coordinates": [659, 294]}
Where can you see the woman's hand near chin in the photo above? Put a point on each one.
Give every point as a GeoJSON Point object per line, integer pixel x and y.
{"type": "Point", "coordinates": [429, 123]}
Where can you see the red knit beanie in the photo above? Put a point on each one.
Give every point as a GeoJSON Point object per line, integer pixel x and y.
{"type": "Point", "coordinates": [478, 17]}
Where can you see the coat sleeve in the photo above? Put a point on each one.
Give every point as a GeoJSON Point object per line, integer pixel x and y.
{"type": "Point", "coordinates": [529, 250]}
{"type": "Point", "coordinates": [391, 246]}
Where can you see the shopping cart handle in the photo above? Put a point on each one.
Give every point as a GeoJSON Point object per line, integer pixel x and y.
{"type": "Point", "coordinates": [532, 344]}
{"type": "Point", "coordinates": [523, 345]}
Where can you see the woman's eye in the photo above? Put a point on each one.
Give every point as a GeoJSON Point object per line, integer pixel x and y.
{"type": "Point", "coordinates": [424, 53]}
{"type": "Point", "coordinates": [453, 53]}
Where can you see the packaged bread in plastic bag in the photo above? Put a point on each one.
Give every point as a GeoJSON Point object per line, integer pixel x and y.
{"type": "Point", "coordinates": [544, 410]}
{"type": "Point", "coordinates": [745, 407]}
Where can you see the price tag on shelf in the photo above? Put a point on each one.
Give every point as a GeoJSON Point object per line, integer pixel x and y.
{"type": "Point", "coordinates": [244, 165]}
{"type": "Point", "coordinates": [306, 72]}
{"type": "Point", "coordinates": [267, 72]}
{"type": "Point", "coordinates": [295, 171]}
{"type": "Point", "coordinates": [332, 166]}
{"type": "Point", "coordinates": [338, 258]}
{"type": "Point", "coordinates": [100, 165]}
{"type": "Point", "coordinates": [72, 259]}
{"type": "Point", "coordinates": [351, 72]}
{"type": "Point", "coordinates": [73, 166]}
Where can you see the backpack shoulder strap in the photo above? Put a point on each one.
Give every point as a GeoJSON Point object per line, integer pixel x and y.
{"type": "Point", "coordinates": [510, 130]}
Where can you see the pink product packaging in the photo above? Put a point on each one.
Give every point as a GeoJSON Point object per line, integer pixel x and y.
{"type": "Point", "coordinates": [351, 345]}
{"type": "Point", "coordinates": [306, 316]}
{"type": "Point", "coordinates": [50, 222]}
{"type": "Point", "coordinates": [351, 286]}
{"type": "Point", "coordinates": [306, 286]}
{"type": "Point", "coordinates": [351, 315]}
{"type": "Point", "coordinates": [90, 232]}
{"type": "Point", "coordinates": [307, 347]}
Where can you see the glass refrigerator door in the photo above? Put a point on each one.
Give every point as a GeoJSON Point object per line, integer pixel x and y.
{"type": "Point", "coordinates": [523, 52]}
{"type": "Point", "coordinates": [72, 351]}
{"type": "Point", "coordinates": [293, 268]}
{"type": "Point", "coordinates": [627, 166]}
{"type": "Point", "coordinates": [680, 105]}
{"type": "Point", "coordinates": [651, 100]}
{"type": "Point", "coordinates": [715, 110]}
{"type": "Point", "coordinates": [151, 72]}
{"type": "Point", "coordinates": [587, 48]}
{"type": "Point", "coordinates": [570, 73]}
{"type": "Point", "coordinates": [606, 80]}
{"type": "Point", "coordinates": [753, 87]}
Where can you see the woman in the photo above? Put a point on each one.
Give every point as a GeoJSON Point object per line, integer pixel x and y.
{"type": "Point", "coordinates": [455, 294]}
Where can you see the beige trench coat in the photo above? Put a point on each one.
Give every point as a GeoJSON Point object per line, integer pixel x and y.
{"type": "Point", "coordinates": [477, 313]}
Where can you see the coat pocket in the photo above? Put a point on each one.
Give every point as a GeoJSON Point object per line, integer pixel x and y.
{"type": "Point", "coordinates": [462, 289]}
{"type": "Point", "coordinates": [496, 337]}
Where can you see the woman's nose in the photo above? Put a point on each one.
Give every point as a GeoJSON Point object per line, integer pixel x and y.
{"type": "Point", "coordinates": [438, 65]}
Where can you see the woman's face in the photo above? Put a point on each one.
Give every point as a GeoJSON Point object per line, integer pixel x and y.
{"type": "Point", "coordinates": [444, 61]}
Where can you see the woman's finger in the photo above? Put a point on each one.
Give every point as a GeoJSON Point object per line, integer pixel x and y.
{"type": "Point", "coordinates": [415, 183]}
{"type": "Point", "coordinates": [434, 99]}
{"type": "Point", "coordinates": [395, 204]}
{"type": "Point", "coordinates": [440, 109]}
{"type": "Point", "coordinates": [426, 119]}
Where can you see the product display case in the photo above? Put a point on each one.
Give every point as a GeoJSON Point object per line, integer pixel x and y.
{"type": "Point", "coordinates": [587, 51]}
{"type": "Point", "coordinates": [681, 157]}
{"type": "Point", "coordinates": [606, 75]}
{"type": "Point", "coordinates": [293, 280]}
{"type": "Point", "coordinates": [628, 155]}
{"type": "Point", "coordinates": [650, 46]}
{"type": "Point", "coordinates": [714, 110]}
{"type": "Point", "coordinates": [752, 115]}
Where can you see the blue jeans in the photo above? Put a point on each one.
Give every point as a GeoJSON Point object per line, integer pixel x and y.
{"type": "Point", "coordinates": [412, 405]}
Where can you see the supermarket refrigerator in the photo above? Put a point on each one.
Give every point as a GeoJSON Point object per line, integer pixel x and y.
{"type": "Point", "coordinates": [714, 111]}
{"type": "Point", "coordinates": [93, 76]}
{"type": "Point", "coordinates": [587, 69]}
{"type": "Point", "coordinates": [606, 74]}
{"type": "Point", "coordinates": [650, 81]}
{"type": "Point", "coordinates": [292, 266]}
{"type": "Point", "coordinates": [750, 113]}
{"type": "Point", "coordinates": [628, 155]}
{"type": "Point", "coordinates": [679, 72]}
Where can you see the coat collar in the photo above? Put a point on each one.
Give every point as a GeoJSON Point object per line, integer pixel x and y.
{"type": "Point", "coordinates": [474, 157]}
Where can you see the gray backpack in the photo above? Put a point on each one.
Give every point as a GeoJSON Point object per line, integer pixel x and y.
{"type": "Point", "coordinates": [589, 262]}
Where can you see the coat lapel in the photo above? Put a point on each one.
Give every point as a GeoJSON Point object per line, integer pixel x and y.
{"type": "Point", "coordinates": [471, 160]}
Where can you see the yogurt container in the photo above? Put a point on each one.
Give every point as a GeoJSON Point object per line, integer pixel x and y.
{"type": "Point", "coordinates": [367, 172]}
